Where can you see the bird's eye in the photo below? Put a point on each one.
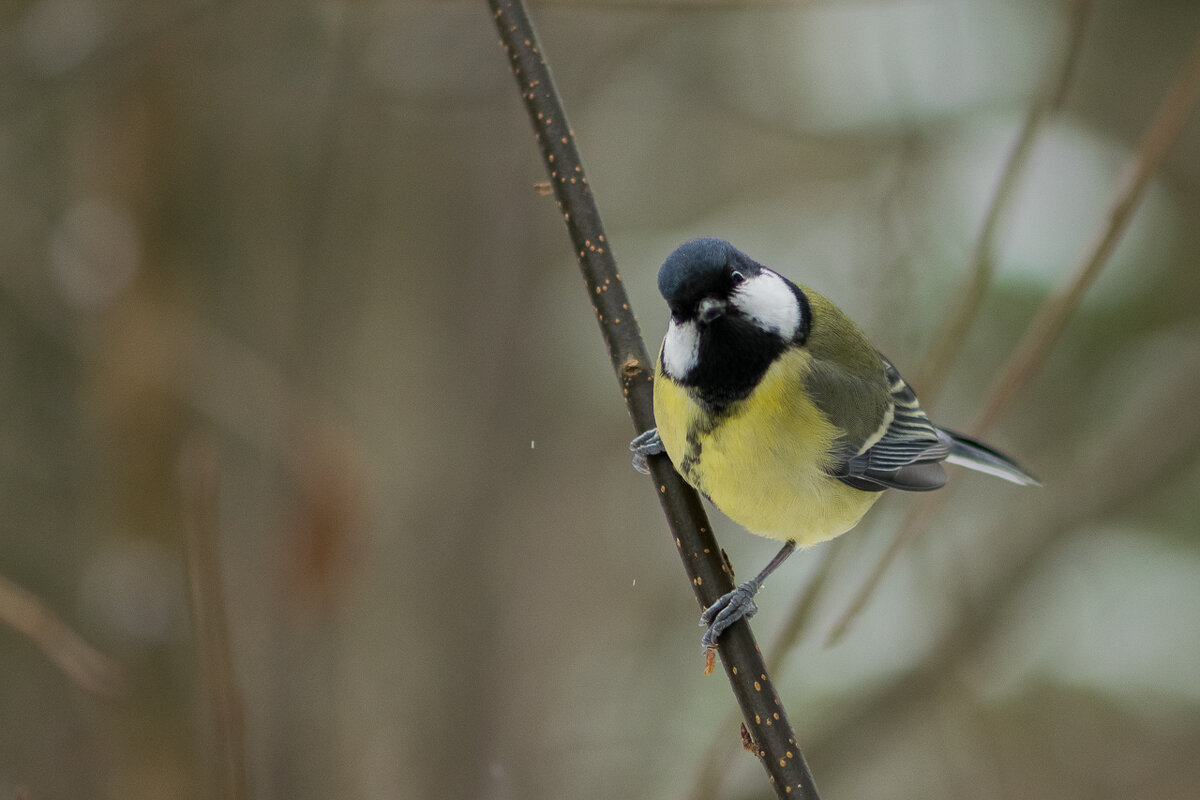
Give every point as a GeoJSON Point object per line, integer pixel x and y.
{"type": "Point", "coordinates": [737, 277]}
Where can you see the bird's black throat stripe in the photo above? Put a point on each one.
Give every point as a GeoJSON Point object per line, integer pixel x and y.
{"type": "Point", "coordinates": [691, 456]}
{"type": "Point", "coordinates": [734, 355]}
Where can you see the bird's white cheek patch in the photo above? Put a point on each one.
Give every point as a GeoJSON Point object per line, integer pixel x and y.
{"type": "Point", "coordinates": [770, 302]}
{"type": "Point", "coordinates": [681, 348]}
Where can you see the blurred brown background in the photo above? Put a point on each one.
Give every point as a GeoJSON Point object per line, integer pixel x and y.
{"type": "Point", "coordinates": [304, 239]}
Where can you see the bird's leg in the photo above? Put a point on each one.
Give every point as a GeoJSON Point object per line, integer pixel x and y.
{"type": "Point", "coordinates": [739, 603]}
{"type": "Point", "coordinates": [647, 444]}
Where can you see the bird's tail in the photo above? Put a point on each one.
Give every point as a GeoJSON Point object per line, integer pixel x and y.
{"type": "Point", "coordinates": [976, 455]}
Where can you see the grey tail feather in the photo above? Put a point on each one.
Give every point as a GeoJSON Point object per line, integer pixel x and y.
{"type": "Point", "coordinates": [976, 455]}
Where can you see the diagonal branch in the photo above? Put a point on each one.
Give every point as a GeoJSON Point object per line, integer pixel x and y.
{"type": "Point", "coordinates": [715, 763]}
{"type": "Point", "coordinates": [1030, 353]}
{"type": "Point", "coordinates": [763, 712]}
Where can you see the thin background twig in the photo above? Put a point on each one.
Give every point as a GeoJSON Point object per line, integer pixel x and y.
{"type": "Point", "coordinates": [1047, 327]}
{"type": "Point", "coordinates": [1135, 460]}
{"type": "Point", "coordinates": [87, 667]}
{"type": "Point", "coordinates": [947, 340]}
{"type": "Point", "coordinates": [762, 709]}
{"type": "Point", "coordinates": [199, 477]}
{"type": "Point", "coordinates": [1030, 353]}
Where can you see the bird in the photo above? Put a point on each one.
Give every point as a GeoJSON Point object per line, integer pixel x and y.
{"type": "Point", "coordinates": [773, 404]}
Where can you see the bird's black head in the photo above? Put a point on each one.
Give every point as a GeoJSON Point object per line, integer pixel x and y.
{"type": "Point", "coordinates": [702, 268]}
{"type": "Point", "coordinates": [731, 317]}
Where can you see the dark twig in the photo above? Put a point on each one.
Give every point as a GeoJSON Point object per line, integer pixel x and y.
{"type": "Point", "coordinates": [763, 712]}
{"type": "Point", "coordinates": [209, 628]}
{"type": "Point", "coordinates": [721, 750]}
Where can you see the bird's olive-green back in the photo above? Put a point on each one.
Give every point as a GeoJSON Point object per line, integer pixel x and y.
{"type": "Point", "coordinates": [847, 378]}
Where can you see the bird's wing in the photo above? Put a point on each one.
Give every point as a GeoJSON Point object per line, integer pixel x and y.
{"type": "Point", "coordinates": [902, 452]}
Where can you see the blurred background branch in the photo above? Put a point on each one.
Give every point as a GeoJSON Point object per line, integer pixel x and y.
{"type": "Point", "coordinates": [1045, 330]}
{"type": "Point", "coordinates": [88, 668]}
{"type": "Point", "coordinates": [949, 336]}
{"type": "Point", "coordinates": [1140, 458]}
{"type": "Point", "coordinates": [199, 473]}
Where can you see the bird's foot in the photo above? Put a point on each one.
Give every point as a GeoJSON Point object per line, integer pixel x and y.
{"type": "Point", "coordinates": [645, 445]}
{"type": "Point", "coordinates": [728, 609]}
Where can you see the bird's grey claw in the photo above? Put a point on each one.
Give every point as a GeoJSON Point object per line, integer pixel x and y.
{"type": "Point", "coordinates": [728, 609]}
{"type": "Point", "coordinates": [646, 444]}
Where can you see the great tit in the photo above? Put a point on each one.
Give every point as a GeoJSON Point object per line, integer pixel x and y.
{"type": "Point", "coordinates": [772, 404]}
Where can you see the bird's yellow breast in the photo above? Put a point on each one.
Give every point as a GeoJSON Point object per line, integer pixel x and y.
{"type": "Point", "coordinates": [763, 460]}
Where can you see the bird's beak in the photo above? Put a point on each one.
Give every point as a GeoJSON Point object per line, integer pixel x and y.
{"type": "Point", "coordinates": [709, 309]}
